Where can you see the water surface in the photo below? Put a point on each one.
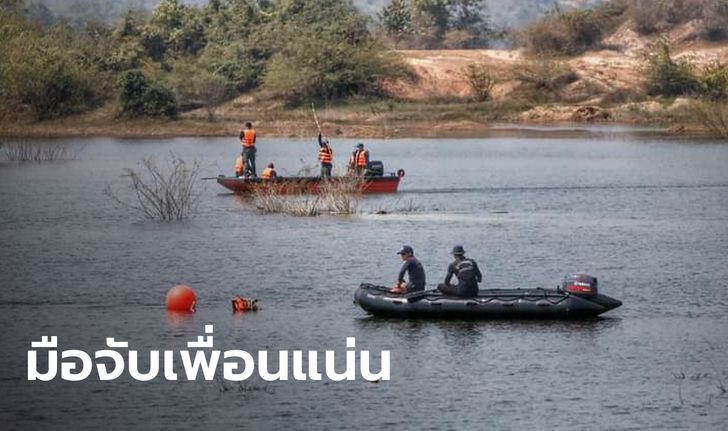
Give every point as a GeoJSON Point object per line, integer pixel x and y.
{"type": "Point", "coordinates": [647, 216]}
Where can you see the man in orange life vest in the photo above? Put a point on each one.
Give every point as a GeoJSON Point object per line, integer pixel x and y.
{"type": "Point", "coordinates": [247, 140]}
{"type": "Point", "coordinates": [269, 173]}
{"type": "Point", "coordinates": [359, 159]}
{"type": "Point", "coordinates": [325, 156]}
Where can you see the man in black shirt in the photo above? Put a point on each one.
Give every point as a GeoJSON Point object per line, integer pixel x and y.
{"type": "Point", "coordinates": [467, 273]}
{"type": "Point", "coordinates": [414, 270]}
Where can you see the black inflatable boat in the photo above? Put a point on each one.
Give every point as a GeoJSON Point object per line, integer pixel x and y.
{"type": "Point", "coordinates": [576, 297]}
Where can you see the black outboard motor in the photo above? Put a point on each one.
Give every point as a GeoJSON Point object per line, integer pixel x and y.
{"type": "Point", "coordinates": [375, 169]}
{"type": "Point", "coordinates": [583, 285]}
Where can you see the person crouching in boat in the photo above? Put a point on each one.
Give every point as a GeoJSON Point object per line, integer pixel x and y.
{"type": "Point", "coordinates": [325, 156]}
{"type": "Point", "coordinates": [467, 272]}
{"type": "Point", "coordinates": [415, 272]}
{"type": "Point", "coordinates": [269, 173]}
{"type": "Point", "coordinates": [239, 166]}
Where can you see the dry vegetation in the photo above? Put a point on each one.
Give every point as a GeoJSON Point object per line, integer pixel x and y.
{"type": "Point", "coordinates": [32, 151]}
{"type": "Point", "coordinates": [169, 193]}
{"type": "Point", "coordinates": [714, 116]}
{"type": "Point", "coordinates": [338, 196]}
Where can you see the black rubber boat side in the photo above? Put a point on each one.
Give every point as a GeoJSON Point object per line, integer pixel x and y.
{"type": "Point", "coordinates": [489, 304]}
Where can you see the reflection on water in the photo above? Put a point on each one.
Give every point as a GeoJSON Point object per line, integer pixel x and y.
{"type": "Point", "coordinates": [647, 216]}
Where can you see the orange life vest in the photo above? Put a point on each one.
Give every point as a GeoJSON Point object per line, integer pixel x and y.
{"type": "Point", "coordinates": [248, 140]}
{"type": "Point", "coordinates": [361, 159]}
{"type": "Point", "coordinates": [268, 173]}
{"type": "Point", "coordinates": [325, 155]}
{"type": "Point", "coordinates": [239, 165]}
{"type": "Point", "coordinates": [244, 304]}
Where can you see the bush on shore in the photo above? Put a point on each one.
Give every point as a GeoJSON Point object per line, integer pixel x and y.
{"type": "Point", "coordinates": [542, 79]}
{"type": "Point", "coordinates": [480, 80]}
{"type": "Point", "coordinates": [572, 32]}
{"type": "Point", "coordinates": [138, 97]}
{"type": "Point", "coordinates": [713, 116]}
{"type": "Point", "coordinates": [45, 70]}
{"type": "Point", "coordinates": [667, 76]}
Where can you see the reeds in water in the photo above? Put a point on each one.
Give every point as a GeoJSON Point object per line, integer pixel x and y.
{"type": "Point", "coordinates": [30, 151]}
{"type": "Point", "coordinates": [339, 196]}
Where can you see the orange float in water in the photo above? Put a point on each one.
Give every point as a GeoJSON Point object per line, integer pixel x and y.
{"type": "Point", "coordinates": [181, 298]}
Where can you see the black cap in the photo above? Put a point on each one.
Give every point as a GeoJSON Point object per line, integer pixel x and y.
{"type": "Point", "coordinates": [458, 250]}
{"type": "Point", "coordinates": [406, 250]}
{"type": "Point", "coordinates": [359, 145]}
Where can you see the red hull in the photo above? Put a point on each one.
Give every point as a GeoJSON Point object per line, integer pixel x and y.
{"type": "Point", "coordinates": [305, 185]}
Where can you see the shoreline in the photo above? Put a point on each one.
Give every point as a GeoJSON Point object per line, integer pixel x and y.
{"type": "Point", "coordinates": [372, 119]}
{"type": "Point", "coordinates": [166, 129]}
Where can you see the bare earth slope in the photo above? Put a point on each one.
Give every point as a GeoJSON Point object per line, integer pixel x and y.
{"type": "Point", "coordinates": [604, 75]}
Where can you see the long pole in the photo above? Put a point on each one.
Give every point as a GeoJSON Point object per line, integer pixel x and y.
{"type": "Point", "coordinates": [315, 118]}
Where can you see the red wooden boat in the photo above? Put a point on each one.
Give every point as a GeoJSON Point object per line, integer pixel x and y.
{"type": "Point", "coordinates": [310, 185]}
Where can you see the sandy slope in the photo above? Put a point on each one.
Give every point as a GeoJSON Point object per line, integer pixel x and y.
{"type": "Point", "coordinates": [602, 74]}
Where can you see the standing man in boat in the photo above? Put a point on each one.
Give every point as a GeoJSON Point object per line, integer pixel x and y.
{"type": "Point", "coordinates": [467, 272]}
{"type": "Point", "coordinates": [247, 141]}
{"type": "Point", "coordinates": [414, 270]}
{"type": "Point", "coordinates": [325, 156]}
{"type": "Point", "coordinates": [359, 159]}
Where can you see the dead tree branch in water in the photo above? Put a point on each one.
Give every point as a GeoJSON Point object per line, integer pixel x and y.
{"type": "Point", "coordinates": [170, 194]}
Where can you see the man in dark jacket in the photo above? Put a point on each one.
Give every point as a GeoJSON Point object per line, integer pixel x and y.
{"type": "Point", "coordinates": [414, 270]}
{"type": "Point", "coordinates": [467, 272]}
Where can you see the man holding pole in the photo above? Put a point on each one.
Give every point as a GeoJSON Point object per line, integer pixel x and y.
{"type": "Point", "coordinates": [325, 154]}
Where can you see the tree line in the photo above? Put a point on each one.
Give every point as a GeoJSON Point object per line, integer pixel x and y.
{"type": "Point", "coordinates": [185, 57]}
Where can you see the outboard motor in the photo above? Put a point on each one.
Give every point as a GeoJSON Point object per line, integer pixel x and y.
{"type": "Point", "coordinates": [583, 285]}
{"type": "Point", "coordinates": [375, 169]}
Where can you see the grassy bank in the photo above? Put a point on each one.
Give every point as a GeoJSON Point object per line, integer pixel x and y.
{"type": "Point", "coordinates": [365, 119]}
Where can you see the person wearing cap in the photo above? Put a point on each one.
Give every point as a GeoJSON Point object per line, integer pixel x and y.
{"type": "Point", "coordinates": [247, 141]}
{"type": "Point", "coordinates": [325, 156]}
{"type": "Point", "coordinates": [467, 272]}
{"type": "Point", "coordinates": [359, 159]}
{"type": "Point", "coordinates": [414, 270]}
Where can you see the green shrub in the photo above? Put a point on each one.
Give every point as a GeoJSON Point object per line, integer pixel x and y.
{"type": "Point", "coordinates": [138, 97]}
{"type": "Point", "coordinates": [325, 51]}
{"type": "Point", "coordinates": [669, 77]}
{"type": "Point", "coordinates": [572, 32]}
{"type": "Point", "coordinates": [714, 82]}
{"type": "Point", "coordinates": [396, 19]}
{"type": "Point", "coordinates": [125, 55]}
{"type": "Point", "coordinates": [241, 65]}
{"type": "Point", "coordinates": [61, 92]}
{"type": "Point", "coordinates": [42, 69]}
{"type": "Point", "coordinates": [542, 79]}
{"type": "Point", "coordinates": [480, 80]}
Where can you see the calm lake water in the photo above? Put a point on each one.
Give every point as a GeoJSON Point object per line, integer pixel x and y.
{"type": "Point", "coordinates": [648, 216]}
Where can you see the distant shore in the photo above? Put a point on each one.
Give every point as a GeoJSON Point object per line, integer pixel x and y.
{"type": "Point", "coordinates": [451, 121]}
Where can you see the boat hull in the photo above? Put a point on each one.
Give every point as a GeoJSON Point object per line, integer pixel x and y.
{"type": "Point", "coordinates": [305, 185]}
{"type": "Point", "coordinates": [489, 304]}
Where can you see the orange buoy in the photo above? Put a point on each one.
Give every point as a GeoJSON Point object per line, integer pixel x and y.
{"type": "Point", "coordinates": [181, 298]}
